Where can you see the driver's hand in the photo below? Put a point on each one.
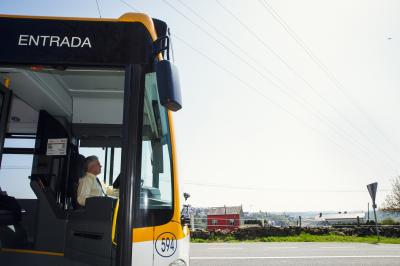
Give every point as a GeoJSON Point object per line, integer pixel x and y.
{"type": "Point", "coordinates": [113, 192]}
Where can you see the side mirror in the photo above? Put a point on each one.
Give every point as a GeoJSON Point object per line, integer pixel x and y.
{"type": "Point", "coordinates": [186, 196]}
{"type": "Point", "coordinates": [169, 88]}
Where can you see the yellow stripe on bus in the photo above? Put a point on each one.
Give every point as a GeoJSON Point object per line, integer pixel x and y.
{"type": "Point", "coordinates": [7, 83]}
{"type": "Point", "coordinates": [32, 252]}
{"type": "Point", "coordinates": [177, 215]}
{"type": "Point", "coordinates": [114, 223]}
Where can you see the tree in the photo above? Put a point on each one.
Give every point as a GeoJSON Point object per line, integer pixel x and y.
{"type": "Point", "coordinates": [392, 202]}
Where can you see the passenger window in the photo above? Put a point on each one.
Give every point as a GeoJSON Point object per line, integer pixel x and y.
{"type": "Point", "coordinates": [117, 163]}
{"type": "Point", "coordinates": [16, 169]}
{"type": "Point", "coordinates": [19, 143]}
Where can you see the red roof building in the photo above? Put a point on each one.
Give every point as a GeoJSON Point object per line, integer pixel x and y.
{"type": "Point", "coordinates": [224, 218]}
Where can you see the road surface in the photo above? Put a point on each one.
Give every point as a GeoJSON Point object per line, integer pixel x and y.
{"type": "Point", "coordinates": [232, 254]}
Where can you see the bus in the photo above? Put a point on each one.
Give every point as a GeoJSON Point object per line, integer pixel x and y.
{"type": "Point", "coordinates": [76, 87]}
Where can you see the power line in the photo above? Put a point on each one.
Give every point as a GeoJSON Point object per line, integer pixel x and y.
{"type": "Point", "coordinates": [221, 33]}
{"type": "Point", "coordinates": [263, 95]}
{"type": "Point", "coordinates": [327, 72]}
{"type": "Point", "coordinates": [319, 115]}
{"type": "Point", "coordinates": [281, 189]}
{"type": "Point", "coordinates": [302, 78]}
{"type": "Point", "coordinates": [323, 67]}
{"type": "Point", "coordinates": [98, 8]}
{"type": "Point", "coordinates": [129, 5]}
{"type": "Point", "coordinates": [239, 79]}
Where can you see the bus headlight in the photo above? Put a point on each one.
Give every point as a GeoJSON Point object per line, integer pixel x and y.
{"type": "Point", "coordinates": [178, 262]}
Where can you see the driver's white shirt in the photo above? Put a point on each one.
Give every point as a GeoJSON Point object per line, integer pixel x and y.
{"type": "Point", "coordinates": [88, 187]}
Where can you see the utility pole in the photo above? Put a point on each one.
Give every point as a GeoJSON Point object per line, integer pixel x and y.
{"type": "Point", "coordinates": [192, 222]}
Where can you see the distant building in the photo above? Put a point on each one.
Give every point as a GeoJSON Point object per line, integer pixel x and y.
{"type": "Point", "coordinates": [224, 218]}
{"type": "Point", "coordinates": [343, 218]}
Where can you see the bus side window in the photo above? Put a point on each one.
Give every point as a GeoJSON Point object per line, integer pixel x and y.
{"type": "Point", "coordinates": [16, 169]}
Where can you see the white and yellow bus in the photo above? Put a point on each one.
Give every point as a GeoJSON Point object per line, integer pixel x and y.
{"type": "Point", "coordinates": [73, 87]}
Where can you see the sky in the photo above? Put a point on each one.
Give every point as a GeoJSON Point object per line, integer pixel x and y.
{"type": "Point", "coordinates": [287, 105]}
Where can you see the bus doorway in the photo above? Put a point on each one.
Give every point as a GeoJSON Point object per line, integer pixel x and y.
{"type": "Point", "coordinates": [48, 134]}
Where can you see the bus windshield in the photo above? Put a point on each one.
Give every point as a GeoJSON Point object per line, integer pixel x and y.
{"type": "Point", "coordinates": [156, 186]}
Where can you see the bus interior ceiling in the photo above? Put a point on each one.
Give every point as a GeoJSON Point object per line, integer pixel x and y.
{"type": "Point", "coordinates": [74, 96]}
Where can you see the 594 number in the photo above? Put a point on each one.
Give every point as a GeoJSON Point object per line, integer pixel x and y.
{"type": "Point", "coordinates": [166, 244]}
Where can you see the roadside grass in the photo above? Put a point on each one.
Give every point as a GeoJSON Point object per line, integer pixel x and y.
{"type": "Point", "coordinates": [303, 237]}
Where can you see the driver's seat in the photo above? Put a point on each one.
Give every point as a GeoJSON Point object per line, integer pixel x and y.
{"type": "Point", "coordinates": [76, 171]}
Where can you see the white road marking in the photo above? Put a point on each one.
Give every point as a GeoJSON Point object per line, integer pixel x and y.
{"type": "Point", "coordinates": [222, 248]}
{"type": "Point", "coordinates": [294, 257]}
{"type": "Point", "coordinates": [338, 247]}
{"type": "Point", "coordinates": [280, 247]}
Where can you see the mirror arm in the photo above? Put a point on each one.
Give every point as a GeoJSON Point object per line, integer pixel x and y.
{"type": "Point", "coordinates": [161, 45]}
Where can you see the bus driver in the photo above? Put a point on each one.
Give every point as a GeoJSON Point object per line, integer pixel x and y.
{"type": "Point", "coordinates": [90, 185]}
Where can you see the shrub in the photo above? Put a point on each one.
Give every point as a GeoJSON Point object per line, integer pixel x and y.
{"type": "Point", "coordinates": [389, 221]}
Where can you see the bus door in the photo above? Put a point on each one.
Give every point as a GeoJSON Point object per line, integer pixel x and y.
{"type": "Point", "coordinates": [97, 124]}
{"type": "Point", "coordinates": [48, 179]}
{"type": "Point", "coordinates": [5, 98]}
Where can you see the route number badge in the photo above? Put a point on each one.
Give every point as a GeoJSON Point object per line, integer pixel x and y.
{"type": "Point", "coordinates": [166, 244]}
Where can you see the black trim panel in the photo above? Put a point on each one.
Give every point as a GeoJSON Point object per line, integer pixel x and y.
{"type": "Point", "coordinates": [4, 111]}
{"type": "Point", "coordinates": [70, 42]}
{"type": "Point", "coordinates": [18, 151]}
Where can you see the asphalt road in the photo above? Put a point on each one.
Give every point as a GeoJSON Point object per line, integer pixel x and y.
{"type": "Point", "coordinates": [224, 254]}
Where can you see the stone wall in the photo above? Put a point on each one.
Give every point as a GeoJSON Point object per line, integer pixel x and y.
{"type": "Point", "coordinates": [259, 232]}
